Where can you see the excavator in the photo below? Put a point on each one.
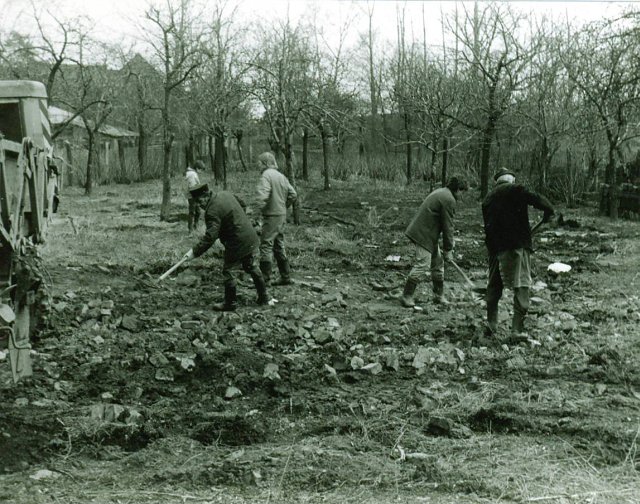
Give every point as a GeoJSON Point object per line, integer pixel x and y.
{"type": "Point", "coordinates": [29, 181]}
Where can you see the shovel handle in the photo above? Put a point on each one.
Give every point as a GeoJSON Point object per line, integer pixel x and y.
{"type": "Point", "coordinates": [537, 226]}
{"type": "Point", "coordinates": [464, 275]}
{"type": "Point", "coordinates": [172, 269]}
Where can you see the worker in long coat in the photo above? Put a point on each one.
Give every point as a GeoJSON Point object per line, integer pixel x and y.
{"type": "Point", "coordinates": [226, 219]}
{"type": "Point", "coordinates": [434, 218]}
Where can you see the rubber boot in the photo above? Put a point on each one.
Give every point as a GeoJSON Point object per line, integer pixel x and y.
{"type": "Point", "coordinates": [517, 323]}
{"type": "Point", "coordinates": [492, 320]}
{"type": "Point", "coordinates": [230, 299]}
{"type": "Point", "coordinates": [261, 288]}
{"type": "Point", "coordinates": [265, 268]}
{"type": "Point", "coordinates": [407, 296]}
{"type": "Point", "coordinates": [438, 292]}
{"type": "Point", "coordinates": [285, 271]}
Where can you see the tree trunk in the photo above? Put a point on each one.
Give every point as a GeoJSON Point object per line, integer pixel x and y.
{"type": "Point", "coordinates": [142, 152]}
{"type": "Point", "coordinates": [326, 156]}
{"type": "Point", "coordinates": [305, 154]}
{"type": "Point", "coordinates": [409, 148]}
{"type": "Point", "coordinates": [88, 183]}
{"type": "Point", "coordinates": [211, 155]}
{"type": "Point", "coordinates": [445, 159]}
{"type": "Point", "coordinates": [485, 157]}
{"type": "Point", "coordinates": [289, 173]}
{"type": "Point", "coordinates": [218, 156]}
{"type": "Point", "coordinates": [121, 159]}
{"type": "Point", "coordinates": [239, 134]}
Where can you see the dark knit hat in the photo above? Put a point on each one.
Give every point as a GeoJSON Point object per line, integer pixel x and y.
{"type": "Point", "coordinates": [503, 171]}
{"type": "Point", "coordinates": [199, 190]}
{"type": "Point", "coordinates": [457, 184]}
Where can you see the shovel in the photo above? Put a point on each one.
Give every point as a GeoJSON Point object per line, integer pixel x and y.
{"type": "Point", "coordinates": [473, 287]}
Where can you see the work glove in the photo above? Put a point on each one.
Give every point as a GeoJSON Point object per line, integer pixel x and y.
{"type": "Point", "coordinates": [188, 256]}
{"type": "Point", "coordinates": [448, 255]}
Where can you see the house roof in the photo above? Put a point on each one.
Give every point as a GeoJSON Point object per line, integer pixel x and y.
{"type": "Point", "coordinates": [58, 116]}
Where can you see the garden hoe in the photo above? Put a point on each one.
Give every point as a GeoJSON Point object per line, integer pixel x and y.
{"type": "Point", "coordinates": [476, 289]}
{"type": "Point", "coordinates": [172, 269]}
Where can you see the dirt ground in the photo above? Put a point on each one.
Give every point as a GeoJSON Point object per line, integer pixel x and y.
{"type": "Point", "coordinates": [143, 394]}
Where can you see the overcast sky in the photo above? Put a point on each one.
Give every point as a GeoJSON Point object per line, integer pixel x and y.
{"type": "Point", "coordinates": [115, 19]}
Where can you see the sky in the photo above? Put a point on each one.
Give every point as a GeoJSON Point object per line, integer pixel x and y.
{"type": "Point", "coordinates": [117, 20]}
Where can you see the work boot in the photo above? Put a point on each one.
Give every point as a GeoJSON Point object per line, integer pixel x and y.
{"type": "Point", "coordinates": [285, 271]}
{"type": "Point", "coordinates": [407, 296]}
{"type": "Point", "coordinates": [261, 288]}
{"type": "Point", "coordinates": [492, 320]}
{"type": "Point", "coordinates": [230, 299]}
{"type": "Point", "coordinates": [517, 323]}
{"type": "Point", "coordinates": [265, 269]}
{"type": "Point", "coordinates": [438, 292]}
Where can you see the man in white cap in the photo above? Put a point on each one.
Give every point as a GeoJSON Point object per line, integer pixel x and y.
{"type": "Point", "coordinates": [508, 240]}
{"type": "Point", "coordinates": [274, 195]}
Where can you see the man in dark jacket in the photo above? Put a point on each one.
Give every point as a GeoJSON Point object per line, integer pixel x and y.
{"type": "Point", "coordinates": [225, 219]}
{"type": "Point", "coordinates": [508, 239]}
{"type": "Point", "coordinates": [434, 218]}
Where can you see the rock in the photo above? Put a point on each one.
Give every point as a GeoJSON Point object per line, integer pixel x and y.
{"type": "Point", "coordinates": [107, 305]}
{"type": "Point", "coordinates": [164, 374]}
{"type": "Point", "coordinates": [271, 372]}
{"type": "Point", "coordinates": [392, 361]}
{"type": "Point", "coordinates": [187, 363]}
{"type": "Point", "coordinates": [112, 412]}
{"type": "Point", "coordinates": [130, 323]}
{"type": "Point", "coordinates": [98, 340]}
{"type": "Point", "coordinates": [357, 362]}
{"type": "Point", "coordinates": [106, 396]}
{"type": "Point", "coordinates": [421, 358]}
{"type": "Point", "coordinates": [516, 362]}
{"type": "Point", "coordinates": [190, 324]}
{"type": "Point", "coordinates": [330, 372]}
{"type": "Point", "coordinates": [158, 359]}
{"type": "Point", "coordinates": [134, 417]}
{"type": "Point", "coordinates": [606, 248]}
{"type": "Point", "coordinates": [374, 368]}
{"type": "Point", "coordinates": [322, 336]}
{"type": "Point", "coordinates": [568, 325]}
{"type": "Point", "coordinates": [21, 402]}
{"type": "Point", "coordinates": [44, 474]}
{"type": "Point", "coordinates": [439, 426]}
{"type": "Point", "coordinates": [232, 393]}
{"type": "Point", "coordinates": [539, 286]}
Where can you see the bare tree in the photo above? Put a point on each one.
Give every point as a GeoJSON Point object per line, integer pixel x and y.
{"type": "Point", "coordinates": [496, 62]}
{"type": "Point", "coordinates": [604, 66]}
{"type": "Point", "coordinates": [174, 35]}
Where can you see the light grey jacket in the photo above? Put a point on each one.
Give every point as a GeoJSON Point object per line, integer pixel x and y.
{"type": "Point", "coordinates": [274, 193]}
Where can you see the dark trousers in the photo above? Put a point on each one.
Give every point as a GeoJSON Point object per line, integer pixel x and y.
{"type": "Point", "coordinates": [249, 264]}
{"type": "Point", "coordinates": [194, 214]}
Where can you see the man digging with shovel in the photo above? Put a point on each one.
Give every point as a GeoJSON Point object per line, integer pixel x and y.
{"type": "Point", "coordinates": [225, 219]}
{"type": "Point", "coordinates": [508, 240]}
{"type": "Point", "coordinates": [434, 218]}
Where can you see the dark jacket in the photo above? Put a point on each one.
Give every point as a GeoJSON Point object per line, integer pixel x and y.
{"type": "Point", "coordinates": [506, 216]}
{"type": "Point", "coordinates": [225, 219]}
{"type": "Point", "coordinates": [435, 216]}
